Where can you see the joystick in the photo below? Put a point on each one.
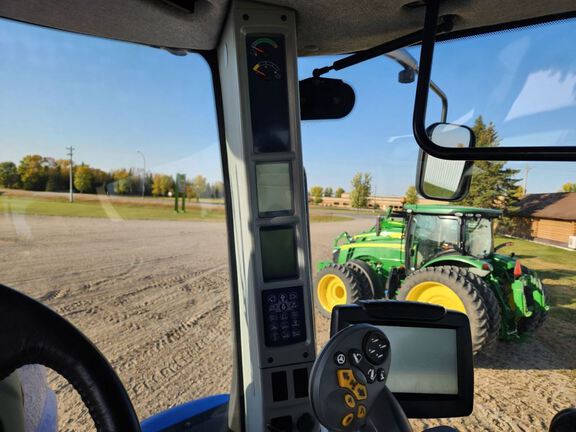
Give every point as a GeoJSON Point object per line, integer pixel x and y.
{"type": "Point", "coordinates": [348, 376]}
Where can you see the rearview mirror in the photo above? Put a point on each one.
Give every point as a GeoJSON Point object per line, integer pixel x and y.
{"type": "Point", "coordinates": [440, 179]}
{"type": "Point", "coordinates": [325, 98]}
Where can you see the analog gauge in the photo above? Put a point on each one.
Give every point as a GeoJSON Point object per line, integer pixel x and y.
{"type": "Point", "coordinates": [267, 70]}
{"type": "Point", "coordinates": [262, 47]}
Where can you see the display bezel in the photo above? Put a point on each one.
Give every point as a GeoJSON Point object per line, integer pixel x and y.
{"type": "Point", "coordinates": [412, 314]}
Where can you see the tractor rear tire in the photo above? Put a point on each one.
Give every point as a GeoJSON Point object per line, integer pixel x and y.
{"type": "Point", "coordinates": [336, 284]}
{"type": "Point", "coordinates": [491, 303]}
{"type": "Point", "coordinates": [452, 288]}
{"type": "Point", "coordinates": [372, 285]}
{"type": "Point", "coordinates": [532, 323]}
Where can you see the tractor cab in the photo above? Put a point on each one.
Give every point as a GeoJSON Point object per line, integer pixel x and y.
{"type": "Point", "coordinates": [171, 317]}
{"type": "Point", "coordinates": [436, 231]}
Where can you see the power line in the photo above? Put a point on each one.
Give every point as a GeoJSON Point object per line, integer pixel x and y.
{"type": "Point", "coordinates": [70, 155]}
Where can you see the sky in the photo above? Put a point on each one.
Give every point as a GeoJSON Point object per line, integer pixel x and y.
{"type": "Point", "coordinates": [111, 100]}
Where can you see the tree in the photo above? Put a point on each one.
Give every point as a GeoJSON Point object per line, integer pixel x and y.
{"type": "Point", "coordinates": [339, 192]}
{"type": "Point", "coordinates": [33, 172]}
{"type": "Point", "coordinates": [218, 189]}
{"type": "Point", "coordinates": [9, 177]}
{"type": "Point", "coordinates": [199, 186]}
{"type": "Point", "coordinates": [569, 187]}
{"type": "Point", "coordinates": [411, 196]}
{"type": "Point", "coordinates": [328, 192]}
{"type": "Point", "coordinates": [493, 185]}
{"type": "Point", "coordinates": [361, 190]}
{"type": "Point", "coordinates": [519, 193]}
{"type": "Point", "coordinates": [162, 184]}
{"type": "Point", "coordinates": [121, 179]}
{"type": "Point", "coordinates": [84, 179]}
{"type": "Point", "coordinates": [316, 192]}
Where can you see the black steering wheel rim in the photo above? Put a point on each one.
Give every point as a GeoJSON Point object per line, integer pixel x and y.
{"type": "Point", "coordinates": [31, 333]}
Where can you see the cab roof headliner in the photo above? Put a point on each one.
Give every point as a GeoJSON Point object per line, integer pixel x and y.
{"type": "Point", "coordinates": [324, 26]}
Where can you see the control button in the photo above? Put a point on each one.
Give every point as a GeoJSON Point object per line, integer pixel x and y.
{"type": "Point", "coordinates": [371, 375]}
{"type": "Point", "coordinates": [381, 375]}
{"type": "Point", "coordinates": [345, 378]}
{"type": "Point", "coordinates": [376, 348]}
{"type": "Point", "coordinates": [340, 358]}
{"type": "Point", "coordinates": [355, 357]}
{"type": "Point", "coordinates": [349, 400]}
{"type": "Point", "coordinates": [347, 419]}
{"type": "Point", "coordinates": [360, 392]}
{"type": "Point", "coordinates": [361, 411]}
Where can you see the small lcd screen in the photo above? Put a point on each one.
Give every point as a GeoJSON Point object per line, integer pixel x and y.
{"type": "Point", "coordinates": [274, 187]}
{"type": "Point", "coordinates": [424, 360]}
{"type": "Point", "coordinates": [278, 250]}
{"type": "Point", "coordinates": [284, 320]}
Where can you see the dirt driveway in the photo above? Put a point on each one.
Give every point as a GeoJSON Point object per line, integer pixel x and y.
{"type": "Point", "coordinates": [153, 296]}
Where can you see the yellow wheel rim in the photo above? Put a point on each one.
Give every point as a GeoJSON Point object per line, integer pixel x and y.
{"type": "Point", "coordinates": [436, 293]}
{"type": "Point", "coordinates": [331, 292]}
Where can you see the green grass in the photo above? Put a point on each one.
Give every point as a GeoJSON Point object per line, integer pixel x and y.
{"type": "Point", "coordinates": [557, 269]}
{"type": "Point", "coordinates": [115, 209]}
{"type": "Point", "coordinates": [104, 209]}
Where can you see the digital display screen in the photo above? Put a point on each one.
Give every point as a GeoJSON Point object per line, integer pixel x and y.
{"type": "Point", "coordinates": [278, 250]}
{"type": "Point", "coordinates": [268, 93]}
{"type": "Point", "coordinates": [274, 185]}
{"type": "Point", "coordinates": [284, 321]}
{"type": "Point", "coordinates": [424, 360]}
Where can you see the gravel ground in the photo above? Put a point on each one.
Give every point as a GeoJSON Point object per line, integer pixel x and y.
{"type": "Point", "coordinates": [153, 296]}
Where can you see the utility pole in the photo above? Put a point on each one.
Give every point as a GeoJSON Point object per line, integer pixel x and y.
{"type": "Point", "coordinates": [70, 154]}
{"type": "Point", "coordinates": [143, 173]}
{"type": "Point", "coordinates": [526, 171]}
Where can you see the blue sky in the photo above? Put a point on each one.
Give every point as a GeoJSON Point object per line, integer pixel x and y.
{"type": "Point", "coordinates": [110, 99]}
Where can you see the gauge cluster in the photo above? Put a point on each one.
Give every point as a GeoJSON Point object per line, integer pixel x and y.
{"type": "Point", "coordinates": [268, 93]}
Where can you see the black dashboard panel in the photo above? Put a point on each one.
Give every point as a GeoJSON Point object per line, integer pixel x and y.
{"type": "Point", "coordinates": [268, 93]}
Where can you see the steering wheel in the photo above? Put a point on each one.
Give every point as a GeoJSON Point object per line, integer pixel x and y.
{"type": "Point", "coordinates": [31, 333]}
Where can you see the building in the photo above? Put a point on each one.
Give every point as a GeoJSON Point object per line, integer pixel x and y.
{"type": "Point", "coordinates": [549, 217]}
{"type": "Point", "coordinates": [374, 202]}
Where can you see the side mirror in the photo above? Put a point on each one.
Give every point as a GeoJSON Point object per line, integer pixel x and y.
{"type": "Point", "coordinates": [441, 179]}
{"type": "Point", "coordinates": [325, 98]}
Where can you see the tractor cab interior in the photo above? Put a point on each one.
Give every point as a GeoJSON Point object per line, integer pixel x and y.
{"type": "Point", "coordinates": [385, 361]}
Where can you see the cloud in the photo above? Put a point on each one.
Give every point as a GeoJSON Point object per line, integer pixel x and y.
{"type": "Point", "coordinates": [543, 91]}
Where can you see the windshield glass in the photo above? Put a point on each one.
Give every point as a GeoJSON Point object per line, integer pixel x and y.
{"type": "Point", "coordinates": [98, 139]}
{"type": "Point", "coordinates": [146, 283]}
{"type": "Point", "coordinates": [433, 235]}
{"type": "Point", "coordinates": [478, 237]}
{"type": "Point", "coordinates": [362, 165]}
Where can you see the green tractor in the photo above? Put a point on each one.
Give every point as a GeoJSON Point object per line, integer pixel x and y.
{"type": "Point", "coordinates": [437, 254]}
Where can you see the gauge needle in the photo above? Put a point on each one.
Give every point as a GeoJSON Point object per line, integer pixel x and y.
{"type": "Point", "coordinates": [259, 50]}
{"type": "Point", "coordinates": [259, 72]}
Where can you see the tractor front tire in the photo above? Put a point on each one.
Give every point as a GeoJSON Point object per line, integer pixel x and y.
{"type": "Point", "coordinates": [371, 283]}
{"type": "Point", "coordinates": [452, 288]}
{"type": "Point", "coordinates": [491, 302]}
{"type": "Point", "coordinates": [336, 284]}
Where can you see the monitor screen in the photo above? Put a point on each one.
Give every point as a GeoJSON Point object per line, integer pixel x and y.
{"type": "Point", "coordinates": [424, 360]}
{"type": "Point", "coordinates": [278, 249]}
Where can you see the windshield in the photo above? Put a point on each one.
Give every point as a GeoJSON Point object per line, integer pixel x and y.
{"type": "Point", "coordinates": [433, 235]}
{"type": "Point", "coordinates": [112, 213]}
{"type": "Point", "coordinates": [478, 237]}
{"type": "Point", "coordinates": [147, 283]}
